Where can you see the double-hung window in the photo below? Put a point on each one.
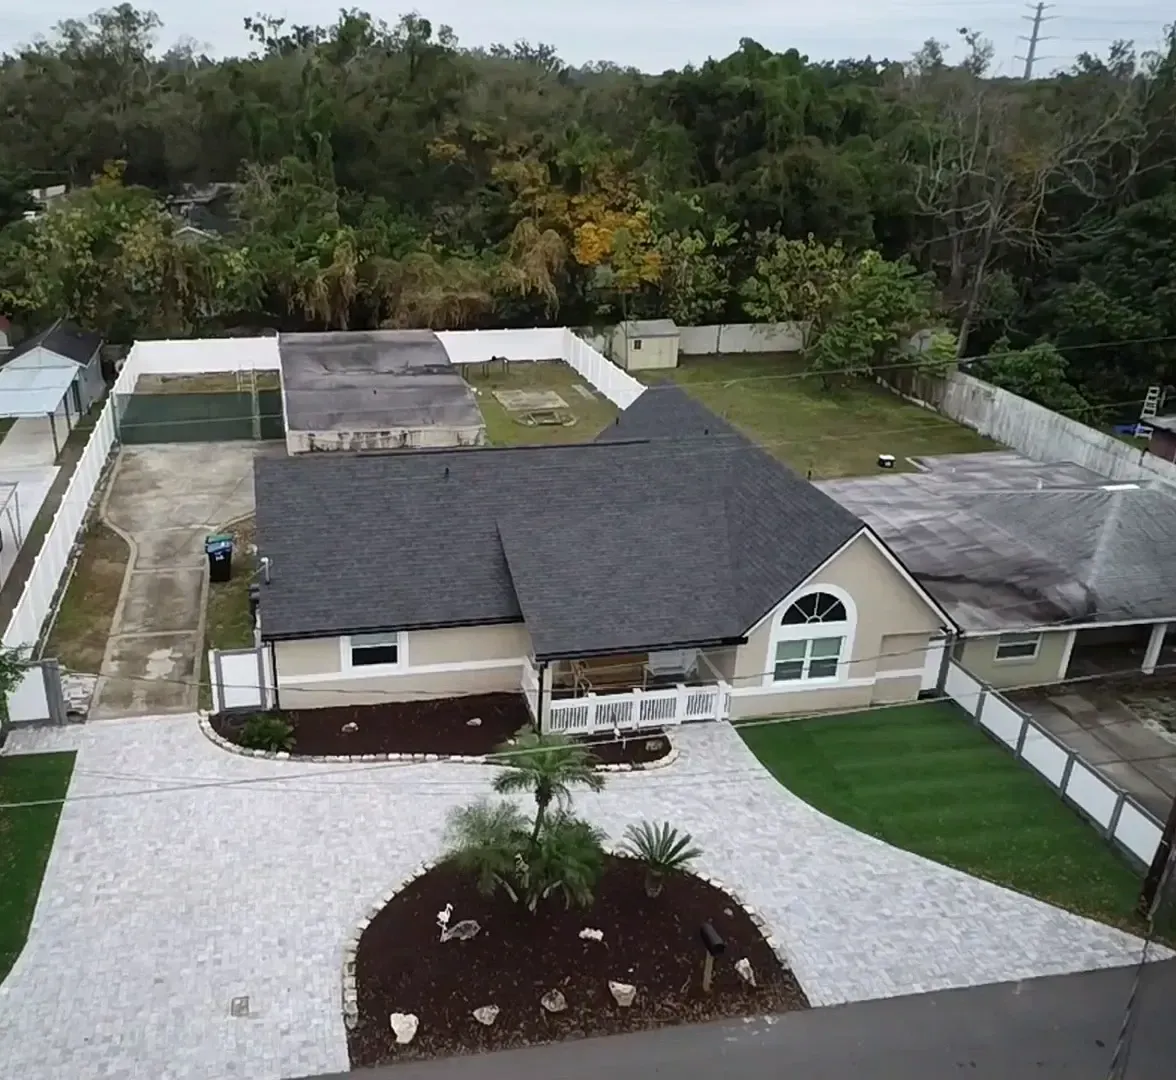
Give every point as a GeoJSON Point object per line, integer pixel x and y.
{"type": "Point", "coordinates": [372, 650]}
{"type": "Point", "coordinates": [1018, 646]}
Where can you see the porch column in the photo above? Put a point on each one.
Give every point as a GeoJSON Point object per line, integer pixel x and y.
{"type": "Point", "coordinates": [1155, 643]}
{"type": "Point", "coordinates": [1067, 652]}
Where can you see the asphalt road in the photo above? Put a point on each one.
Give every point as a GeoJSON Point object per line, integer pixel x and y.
{"type": "Point", "coordinates": [1063, 1027]}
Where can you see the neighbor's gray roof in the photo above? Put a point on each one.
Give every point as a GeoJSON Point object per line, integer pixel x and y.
{"type": "Point", "coordinates": [653, 536]}
{"type": "Point", "coordinates": [380, 380]}
{"type": "Point", "coordinates": [62, 338]}
{"type": "Point", "coordinates": [1004, 542]}
{"type": "Point", "coordinates": [643, 328]}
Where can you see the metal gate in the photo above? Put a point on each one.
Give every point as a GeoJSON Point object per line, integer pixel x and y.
{"type": "Point", "coordinates": [240, 679]}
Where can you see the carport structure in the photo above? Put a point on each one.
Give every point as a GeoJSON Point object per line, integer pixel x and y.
{"type": "Point", "coordinates": [54, 375]}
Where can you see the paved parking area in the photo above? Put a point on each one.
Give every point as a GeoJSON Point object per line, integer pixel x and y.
{"type": "Point", "coordinates": [184, 876]}
{"type": "Point", "coordinates": [163, 501]}
{"type": "Point", "coordinates": [1090, 719]}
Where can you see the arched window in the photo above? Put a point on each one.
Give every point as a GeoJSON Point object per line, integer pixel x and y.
{"type": "Point", "coordinates": [811, 640]}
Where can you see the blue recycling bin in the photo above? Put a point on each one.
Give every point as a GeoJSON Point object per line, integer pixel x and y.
{"type": "Point", "coordinates": [219, 549]}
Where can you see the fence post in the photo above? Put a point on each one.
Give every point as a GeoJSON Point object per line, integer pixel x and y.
{"type": "Point", "coordinates": [681, 700]}
{"type": "Point", "coordinates": [591, 711]}
{"type": "Point", "coordinates": [1021, 737]}
{"type": "Point", "coordinates": [638, 694]}
{"type": "Point", "coordinates": [723, 701]}
{"type": "Point", "coordinates": [1113, 824]}
{"type": "Point", "coordinates": [980, 698]}
{"type": "Point", "coordinates": [1066, 774]}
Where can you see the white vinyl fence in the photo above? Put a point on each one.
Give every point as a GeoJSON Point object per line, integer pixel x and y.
{"type": "Point", "coordinates": [544, 343]}
{"type": "Point", "coordinates": [638, 710]}
{"type": "Point", "coordinates": [1112, 811]}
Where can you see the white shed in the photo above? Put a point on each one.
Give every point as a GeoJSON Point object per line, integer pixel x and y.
{"type": "Point", "coordinates": [640, 344]}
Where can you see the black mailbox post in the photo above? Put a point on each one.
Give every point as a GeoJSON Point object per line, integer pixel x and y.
{"type": "Point", "coordinates": [715, 946]}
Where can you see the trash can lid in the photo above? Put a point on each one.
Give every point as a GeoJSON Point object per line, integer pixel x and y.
{"type": "Point", "coordinates": [217, 542]}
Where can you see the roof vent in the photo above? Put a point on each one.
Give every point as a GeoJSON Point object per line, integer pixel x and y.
{"type": "Point", "coordinates": [1120, 487]}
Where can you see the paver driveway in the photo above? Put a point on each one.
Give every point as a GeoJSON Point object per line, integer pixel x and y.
{"type": "Point", "coordinates": [184, 876]}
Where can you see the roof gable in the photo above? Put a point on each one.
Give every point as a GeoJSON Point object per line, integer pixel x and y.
{"type": "Point", "coordinates": [64, 339]}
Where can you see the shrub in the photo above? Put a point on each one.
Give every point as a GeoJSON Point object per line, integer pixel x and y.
{"type": "Point", "coordinates": [264, 731]}
{"type": "Point", "coordinates": [662, 848]}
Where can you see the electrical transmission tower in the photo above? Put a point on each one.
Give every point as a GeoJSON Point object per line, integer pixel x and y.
{"type": "Point", "coordinates": [1037, 18]}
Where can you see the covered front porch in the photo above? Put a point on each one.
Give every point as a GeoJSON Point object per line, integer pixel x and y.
{"type": "Point", "coordinates": [627, 692]}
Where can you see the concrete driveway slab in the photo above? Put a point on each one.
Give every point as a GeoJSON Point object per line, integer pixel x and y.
{"type": "Point", "coordinates": [164, 500]}
{"type": "Point", "coordinates": [184, 876]}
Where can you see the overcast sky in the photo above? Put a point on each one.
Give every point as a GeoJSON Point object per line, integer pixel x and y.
{"type": "Point", "coordinates": [658, 34]}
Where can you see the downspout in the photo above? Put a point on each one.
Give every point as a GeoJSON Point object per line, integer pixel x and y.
{"type": "Point", "coordinates": [274, 672]}
{"type": "Point", "coordinates": [538, 699]}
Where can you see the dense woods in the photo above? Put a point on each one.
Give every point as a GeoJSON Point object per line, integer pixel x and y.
{"type": "Point", "coordinates": [387, 176]}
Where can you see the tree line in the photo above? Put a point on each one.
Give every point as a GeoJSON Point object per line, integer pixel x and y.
{"type": "Point", "coordinates": [383, 175]}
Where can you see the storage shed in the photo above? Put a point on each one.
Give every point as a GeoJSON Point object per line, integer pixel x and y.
{"type": "Point", "coordinates": [641, 344]}
{"type": "Point", "coordinates": [374, 390]}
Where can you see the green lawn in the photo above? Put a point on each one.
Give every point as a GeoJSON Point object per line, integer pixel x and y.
{"type": "Point", "coordinates": [227, 622]}
{"type": "Point", "coordinates": [833, 433]}
{"type": "Point", "coordinates": [591, 414]}
{"type": "Point", "coordinates": [924, 779]}
{"type": "Point", "coordinates": [26, 838]}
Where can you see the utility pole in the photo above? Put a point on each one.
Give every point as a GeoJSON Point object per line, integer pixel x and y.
{"type": "Point", "coordinates": [1037, 18]}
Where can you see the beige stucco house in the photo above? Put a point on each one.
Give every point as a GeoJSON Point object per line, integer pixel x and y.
{"type": "Point", "coordinates": [670, 570]}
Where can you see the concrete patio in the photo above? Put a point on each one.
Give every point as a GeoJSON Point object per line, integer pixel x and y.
{"type": "Point", "coordinates": [1108, 723]}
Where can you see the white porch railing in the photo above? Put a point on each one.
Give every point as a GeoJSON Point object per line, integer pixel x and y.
{"type": "Point", "coordinates": [530, 688]}
{"type": "Point", "coordinates": [638, 709]}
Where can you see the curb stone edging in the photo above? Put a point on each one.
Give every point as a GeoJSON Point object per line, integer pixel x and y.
{"type": "Point", "coordinates": [348, 759]}
{"type": "Point", "coordinates": [351, 945]}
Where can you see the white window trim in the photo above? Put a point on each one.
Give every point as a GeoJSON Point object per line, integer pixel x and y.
{"type": "Point", "coordinates": [806, 631]}
{"type": "Point", "coordinates": [1030, 659]}
{"type": "Point", "coordinates": [346, 667]}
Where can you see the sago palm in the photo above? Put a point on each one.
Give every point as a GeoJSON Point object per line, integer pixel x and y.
{"type": "Point", "coordinates": [663, 850]}
{"type": "Point", "coordinates": [484, 839]}
{"type": "Point", "coordinates": [547, 766]}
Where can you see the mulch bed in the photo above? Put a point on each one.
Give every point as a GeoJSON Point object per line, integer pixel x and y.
{"type": "Point", "coordinates": [653, 944]}
{"type": "Point", "coordinates": [438, 726]}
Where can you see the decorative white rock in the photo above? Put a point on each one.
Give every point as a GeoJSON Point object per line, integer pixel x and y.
{"type": "Point", "coordinates": [745, 972]}
{"type": "Point", "coordinates": [475, 721]}
{"type": "Point", "coordinates": [554, 1001]}
{"type": "Point", "coordinates": [588, 934]}
{"type": "Point", "coordinates": [623, 993]}
{"type": "Point", "coordinates": [350, 728]}
{"type": "Point", "coordinates": [466, 930]}
{"type": "Point", "coordinates": [404, 1027]}
{"type": "Point", "coordinates": [486, 1014]}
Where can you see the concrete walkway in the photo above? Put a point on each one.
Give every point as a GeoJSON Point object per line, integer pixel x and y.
{"type": "Point", "coordinates": [29, 444]}
{"type": "Point", "coordinates": [184, 876]}
{"type": "Point", "coordinates": [163, 500]}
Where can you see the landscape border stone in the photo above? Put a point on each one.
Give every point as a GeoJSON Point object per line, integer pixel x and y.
{"type": "Point", "coordinates": [214, 736]}
{"type": "Point", "coordinates": [351, 943]}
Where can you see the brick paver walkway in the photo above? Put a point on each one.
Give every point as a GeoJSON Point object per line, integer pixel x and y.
{"type": "Point", "coordinates": [184, 877]}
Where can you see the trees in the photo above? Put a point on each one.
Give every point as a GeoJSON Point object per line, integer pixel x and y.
{"type": "Point", "coordinates": [1038, 373]}
{"type": "Point", "coordinates": [855, 308]}
{"type": "Point", "coordinates": [546, 766]}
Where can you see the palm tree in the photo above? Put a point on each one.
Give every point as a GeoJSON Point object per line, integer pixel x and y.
{"type": "Point", "coordinates": [548, 766]}
{"type": "Point", "coordinates": [492, 842]}
{"type": "Point", "coordinates": [663, 850]}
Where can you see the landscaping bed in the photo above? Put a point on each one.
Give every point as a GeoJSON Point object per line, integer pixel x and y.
{"type": "Point", "coordinates": [440, 726]}
{"type": "Point", "coordinates": [652, 944]}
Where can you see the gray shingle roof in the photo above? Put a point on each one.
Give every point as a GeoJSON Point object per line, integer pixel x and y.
{"type": "Point", "coordinates": [655, 535]}
{"type": "Point", "coordinates": [64, 339]}
{"type": "Point", "coordinates": [1003, 542]}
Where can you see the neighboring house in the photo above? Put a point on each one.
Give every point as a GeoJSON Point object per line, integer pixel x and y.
{"type": "Point", "coordinates": [642, 344]}
{"type": "Point", "coordinates": [374, 390]}
{"type": "Point", "coordinates": [671, 551]}
{"type": "Point", "coordinates": [1049, 570]}
{"type": "Point", "coordinates": [203, 212]}
{"type": "Point", "coordinates": [56, 374]}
